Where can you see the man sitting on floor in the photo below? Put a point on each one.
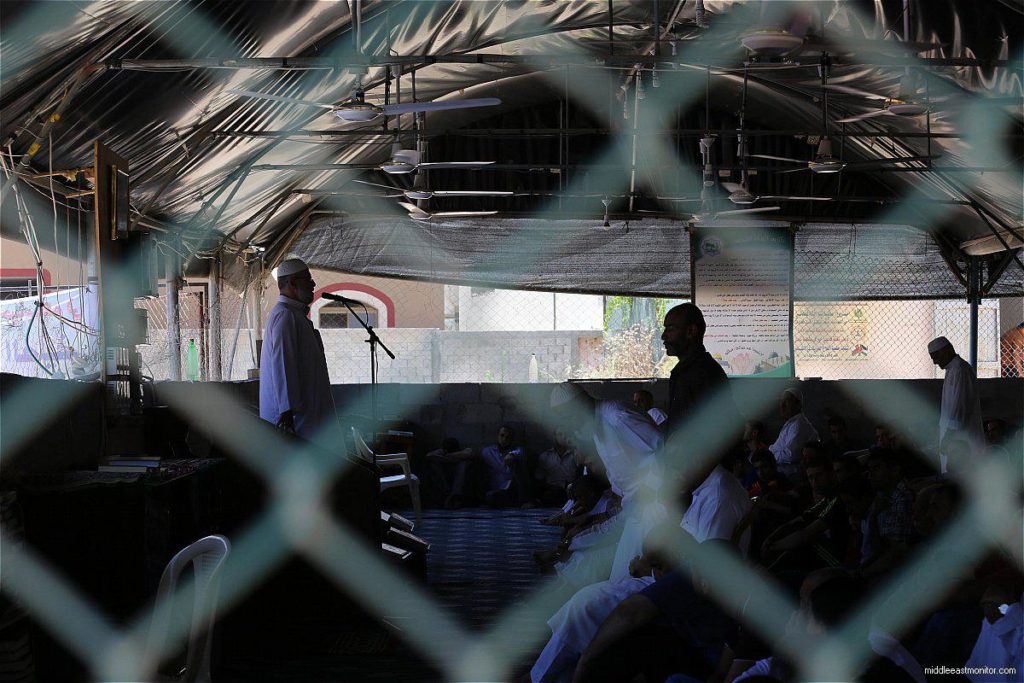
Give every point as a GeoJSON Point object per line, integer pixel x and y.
{"type": "Point", "coordinates": [818, 537]}
{"type": "Point", "coordinates": [625, 441]}
{"type": "Point", "coordinates": [669, 627]}
{"type": "Point", "coordinates": [890, 518]}
{"type": "Point", "coordinates": [507, 474]}
{"type": "Point", "coordinates": [718, 505]}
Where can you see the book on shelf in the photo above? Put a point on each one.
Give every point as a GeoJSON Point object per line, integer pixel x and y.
{"type": "Point", "coordinates": [123, 468]}
{"type": "Point", "coordinates": [129, 462]}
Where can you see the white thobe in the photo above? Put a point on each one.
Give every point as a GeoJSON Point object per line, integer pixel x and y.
{"type": "Point", "coordinates": [293, 370]}
{"type": "Point", "coordinates": [961, 408]}
{"type": "Point", "coordinates": [999, 646]}
{"type": "Point", "coordinates": [626, 441]}
{"type": "Point", "coordinates": [797, 431]}
{"type": "Point", "coordinates": [719, 504]}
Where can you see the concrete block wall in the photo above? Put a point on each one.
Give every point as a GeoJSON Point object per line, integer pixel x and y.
{"type": "Point", "coordinates": [472, 413]}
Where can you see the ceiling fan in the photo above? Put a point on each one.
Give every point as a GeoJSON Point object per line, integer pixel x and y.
{"type": "Point", "coordinates": [824, 161]}
{"type": "Point", "coordinates": [404, 161]}
{"type": "Point", "coordinates": [907, 104]}
{"type": "Point", "coordinates": [418, 214]}
{"type": "Point", "coordinates": [356, 109]}
{"type": "Point", "coordinates": [739, 193]}
{"type": "Point", "coordinates": [419, 191]}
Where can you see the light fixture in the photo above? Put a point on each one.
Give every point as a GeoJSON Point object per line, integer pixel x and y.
{"type": "Point", "coordinates": [771, 42]}
{"type": "Point", "coordinates": [823, 161]}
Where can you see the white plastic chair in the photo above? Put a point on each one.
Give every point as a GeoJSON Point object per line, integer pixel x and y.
{"type": "Point", "coordinates": [206, 555]}
{"type": "Point", "coordinates": [400, 460]}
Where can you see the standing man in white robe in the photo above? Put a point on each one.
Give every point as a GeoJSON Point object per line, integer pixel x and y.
{"type": "Point", "coordinates": [295, 389]}
{"type": "Point", "coordinates": [960, 416]}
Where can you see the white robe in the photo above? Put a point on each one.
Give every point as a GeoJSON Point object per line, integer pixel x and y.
{"type": "Point", "coordinates": [626, 441]}
{"type": "Point", "coordinates": [797, 431]}
{"type": "Point", "coordinates": [719, 503]}
{"type": "Point", "coordinates": [293, 370]}
{"type": "Point", "coordinates": [961, 408]}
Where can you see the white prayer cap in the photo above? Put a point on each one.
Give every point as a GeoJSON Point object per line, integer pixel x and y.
{"type": "Point", "coordinates": [566, 393]}
{"type": "Point", "coordinates": [289, 267]}
{"type": "Point", "coordinates": [938, 344]}
{"type": "Point", "coordinates": [795, 393]}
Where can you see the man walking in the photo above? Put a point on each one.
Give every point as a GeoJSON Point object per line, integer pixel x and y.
{"type": "Point", "coordinates": [960, 415]}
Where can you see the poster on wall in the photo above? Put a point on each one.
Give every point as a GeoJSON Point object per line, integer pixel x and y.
{"type": "Point", "coordinates": [742, 281]}
{"type": "Point", "coordinates": [829, 331]}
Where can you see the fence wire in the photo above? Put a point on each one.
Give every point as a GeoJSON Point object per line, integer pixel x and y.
{"type": "Point", "coordinates": [298, 523]}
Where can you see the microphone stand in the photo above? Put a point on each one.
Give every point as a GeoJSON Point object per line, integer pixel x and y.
{"type": "Point", "coordinates": [373, 341]}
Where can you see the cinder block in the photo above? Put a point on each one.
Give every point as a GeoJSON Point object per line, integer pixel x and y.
{"type": "Point", "coordinates": [462, 392]}
{"type": "Point", "coordinates": [482, 413]}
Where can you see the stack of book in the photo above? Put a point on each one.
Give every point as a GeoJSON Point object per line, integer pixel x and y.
{"type": "Point", "coordinates": [130, 463]}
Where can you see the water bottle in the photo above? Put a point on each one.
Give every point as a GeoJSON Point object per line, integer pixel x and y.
{"type": "Point", "coordinates": [192, 362]}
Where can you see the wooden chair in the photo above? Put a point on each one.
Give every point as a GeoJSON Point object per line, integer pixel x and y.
{"type": "Point", "coordinates": [392, 460]}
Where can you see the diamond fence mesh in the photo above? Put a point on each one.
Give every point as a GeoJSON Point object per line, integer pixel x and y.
{"type": "Point", "coordinates": [592, 337]}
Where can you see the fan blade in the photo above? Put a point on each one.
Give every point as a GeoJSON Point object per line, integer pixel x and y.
{"type": "Point", "coordinates": [854, 91]}
{"type": "Point", "coordinates": [413, 209]}
{"type": "Point", "coordinates": [462, 214]}
{"type": "Point", "coordinates": [735, 212]}
{"type": "Point", "coordinates": [473, 193]}
{"type": "Point", "coordinates": [891, 160]}
{"type": "Point", "coordinates": [769, 156]}
{"type": "Point", "coordinates": [794, 170]}
{"type": "Point", "coordinates": [367, 182]}
{"type": "Point", "coordinates": [870, 114]}
{"type": "Point", "coordinates": [732, 187]}
{"type": "Point", "coordinates": [409, 107]}
{"type": "Point", "coordinates": [968, 101]}
{"type": "Point", "coordinates": [455, 164]}
{"type": "Point", "coordinates": [279, 98]}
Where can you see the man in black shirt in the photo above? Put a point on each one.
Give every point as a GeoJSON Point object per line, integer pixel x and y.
{"type": "Point", "coordinates": [697, 375]}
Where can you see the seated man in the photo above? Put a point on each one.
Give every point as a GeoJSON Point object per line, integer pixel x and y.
{"type": "Point", "coordinates": [769, 479]}
{"type": "Point", "coordinates": [557, 467]}
{"type": "Point", "coordinates": [890, 518]}
{"type": "Point", "coordinates": [839, 441]}
{"type": "Point", "coordinates": [796, 431]}
{"type": "Point", "coordinates": [448, 467]}
{"type": "Point", "coordinates": [672, 626]}
{"type": "Point", "coordinates": [593, 503]}
{"type": "Point", "coordinates": [818, 537]}
{"type": "Point", "coordinates": [718, 505]}
{"type": "Point", "coordinates": [826, 601]}
{"type": "Point", "coordinates": [644, 400]}
{"type": "Point", "coordinates": [506, 469]}
{"type": "Point", "coordinates": [754, 436]}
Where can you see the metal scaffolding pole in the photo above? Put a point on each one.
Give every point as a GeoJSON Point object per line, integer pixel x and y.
{"type": "Point", "coordinates": [974, 297]}
{"type": "Point", "coordinates": [173, 282]}
{"type": "Point", "coordinates": [215, 320]}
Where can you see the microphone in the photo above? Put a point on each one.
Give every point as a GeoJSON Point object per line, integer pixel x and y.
{"type": "Point", "coordinates": [339, 298]}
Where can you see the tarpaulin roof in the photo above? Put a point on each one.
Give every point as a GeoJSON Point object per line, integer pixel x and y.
{"type": "Point", "coordinates": [150, 80]}
{"type": "Point", "coordinates": [831, 261]}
